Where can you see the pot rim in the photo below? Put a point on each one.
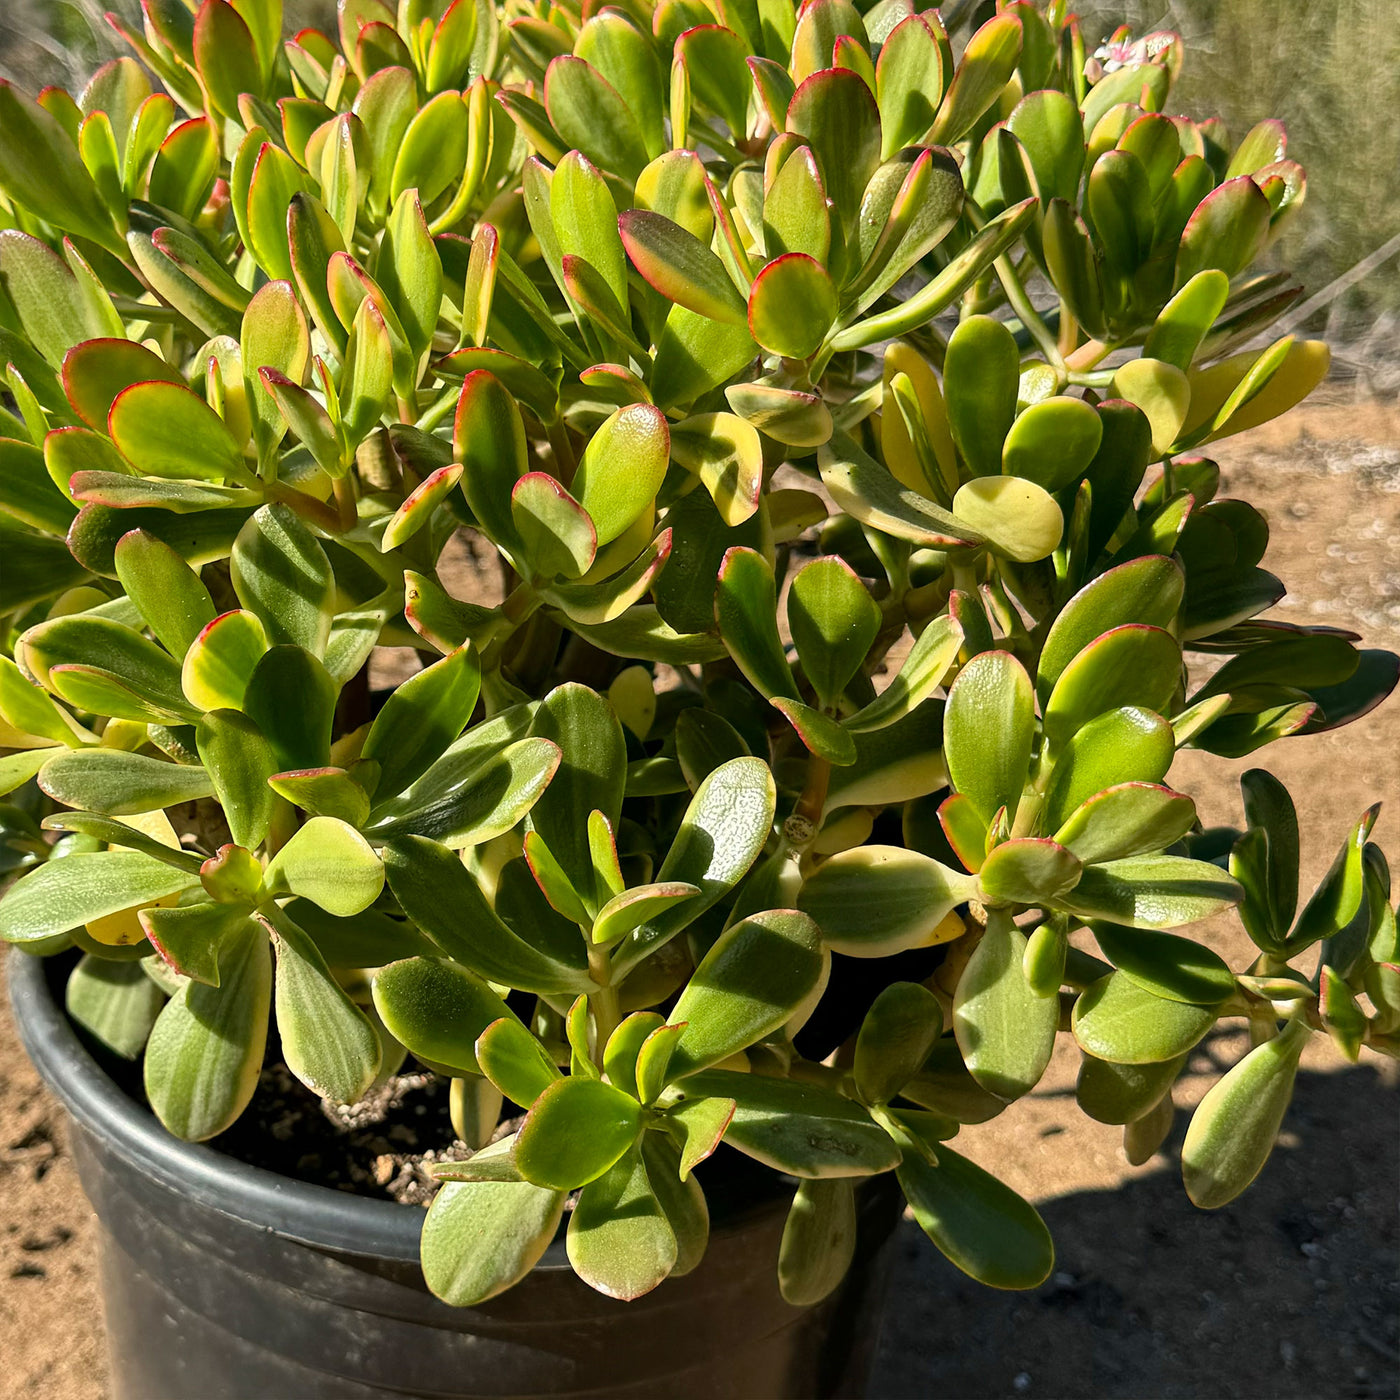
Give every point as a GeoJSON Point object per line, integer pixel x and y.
{"type": "Point", "coordinates": [319, 1216]}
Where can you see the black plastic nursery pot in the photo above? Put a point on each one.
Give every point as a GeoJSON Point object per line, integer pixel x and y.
{"type": "Point", "coordinates": [222, 1280]}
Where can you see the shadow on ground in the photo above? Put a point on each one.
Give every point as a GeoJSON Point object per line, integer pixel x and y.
{"type": "Point", "coordinates": [1291, 1291]}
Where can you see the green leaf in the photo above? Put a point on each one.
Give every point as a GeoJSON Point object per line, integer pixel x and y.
{"type": "Point", "coordinates": [221, 660]}
{"type": "Point", "coordinates": [1167, 965]}
{"type": "Point", "coordinates": [1125, 745]}
{"type": "Point", "coordinates": [622, 468]}
{"type": "Point", "coordinates": [746, 614]}
{"type": "Point", "coordinates": [986, 66]}
{"type": "Point", "coordinates": [988, 729]}
{"type": "Point", "coordinates": [876, 900]}
{"type": "Point", "coordinates": [291, 698]}
{"type": "Point", "coordinates": [894, 764]}
{"type": "Point", "coordinates": [713, 57]}
{"type": "Point", "coordinates": [798, 1128]}
{"type": "Point", "coordinates": [118, 784]}
{"type": "Point", "coordinates": [1048, 125]}
{"type": "Point", "coordinates": [679, 266]}
{"type": "Point", "coordinates": [910, 206]}
{"type": "Point", "coordinates": [482, 1237]}
{"type": "Point", "coordinates": [1161, 391]}
{"type": "Point", "coordinates": [173, 602]}
{"type": "Point", "coordinates": [52, 304]}
{"type": "Point", "coordinates": [895, 1039]}
{"type": "Point", "coordinates": [327, 1041]}
{"type": "Point", "coordinates": [1006, 1032]}
{"type": "Point", "coordinates": [1337, 898]}
{"type": "Point", "coordinates": [1183, 322]}
{"type": "Point", "coordinates": [1027, 870]}
{"type": "Point", "coordinates": [624, 1045]}
{"type": "Point", "coordinates": [473, 802]}
{"type": "Point", "coordinates": [165, 430]}
{"type": "Point", "coordinates": [575, 1131]}
{"type": "Point", "coordinates": [97, 371]}
{"type": "Point", "coordinates": [725, 827]}
{"type": "Point", "coordinates": [556, 535]}
{"type": "Point", "coordinates": [983, 1226]}
{"type": "Point", "coordinates": [280, 572]}
{"type": "Point", "coordinates": [193, 938]}
{"type": "Point", "coordinates": [792, 305]}
{"type": "Point", "coordinates": [922, 672]}
{"type": "Point", "coordinates": [422, 717]}
{"type": "Point", "coordinates": [366, 940]}
{"type": "Point", "coordinates": [1016, 518]}
{"type": "Point", "coordinates": [726, 454]}
{"type": "Point", "coordinates": [515, 1061]}
{"type": "Point", "coordinates": [435, 890]}
{"type": "Point", "coordinates": [588, 114]}
{"type": "Point", "coordinates": [620, 1241]}
{"type": "Point", "coordinates": [819, 1240]}
{"type": "Point", "coordinates": [1234, 1127]}
{"type": "Point", "coordinates": [184, 168]}
{"type": "Point", "coordinates": [1267, 805]}
{"type": "Point", "coordinates": [331, 864]}
{"type": "Point", "coordinates": [410, 272]}
{"type": "Point", "coordinates": [1146, 590]}
{"type": "Point", "coordinates": [591, 776]}
{"type": "Point", "coordinates": [681, 1198]}
{"type": "Point", "coordinates": [489, 440]}
{"type": "Point", "coordinates": [1128, 819]}
{"type": "Point", "coordinates": [834, 111]}
{"type": "Point", "coordinates": [438, 1009]}
{"type": "Point", "coordinates": [1121, 1094]}
{"type": "Point", "coordinates": [1053, 442]}
{"type": "Point", "coordinates": [980, 377]}
{"type": "Point", "coordinates": [274, 336]}
{"type": "Point", "coordinates": [626, 911]}
{"type": "Point", "coordinates": [865, 489]}
{"type": "Point", "coordinates": [40, 170]}
{"type": "Point", "coordinates": [834, 622]}
{"type": "Point", "coordinates": [117, 833]}
{"type": "Point", "coordinates": [114, 1001]}
{"type": "Point", "coordinates": [28, 709]}
{"type": "Point", "coordinates": [694, 354]}
{"type": "Point", "coordinates": [1151, 891]}
{"type": "Point", "coordinates": [698, 1125]}
{"type": "Point", "coordinates": [239, 761]}
{"type": "Point", "coordinates": [28, 493]}
{"type": "Point", "coordinates": [1226, 231]}
{"type": "Point", "coordinates": [1115, 1019]}
{"type": "Point", "coordinates": [910, 83]}
{"type": "Point", "coordinates": [367, 373]}
{"type": "Point", "coordinates": [653, 1062]}
{"type": "Point", "coordinates": [205, 1052]}
{"type": "Point", "coordinates": [1131, 665]}
{"type": "Point", "coordinates": [789, 416]}
{"type": "Point", "coordinates": [796, 216]}
{"type": "Point", "coordinates": [749, 983]}
{"type": "Point", "coordinates": [82, 888]}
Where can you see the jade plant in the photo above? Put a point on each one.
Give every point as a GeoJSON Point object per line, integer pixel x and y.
{"type": "Point", "coordinates": [832, 389]}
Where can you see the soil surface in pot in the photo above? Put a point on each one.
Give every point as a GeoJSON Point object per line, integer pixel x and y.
{"type": "Point", "coordinates": [382, 1146]}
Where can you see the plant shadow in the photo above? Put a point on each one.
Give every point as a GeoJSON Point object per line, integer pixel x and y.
{"type": "Point", "coordinates": [1293, 1290]}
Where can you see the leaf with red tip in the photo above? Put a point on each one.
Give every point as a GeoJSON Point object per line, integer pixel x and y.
{"type": "Point", "coordinates": [96, 371]}
{"type": "Point", "coordinates": [419, 506]}
{"type": "Point", "coordinates": [792, 305]}
{"type": "Point", "coordinates": [622, 468]}
{"type": "Point", "coordinates": [680, 266]}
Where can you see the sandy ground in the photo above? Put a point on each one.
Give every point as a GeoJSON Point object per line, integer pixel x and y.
{"type": "Point", "coordinates": [1293, 1291]}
